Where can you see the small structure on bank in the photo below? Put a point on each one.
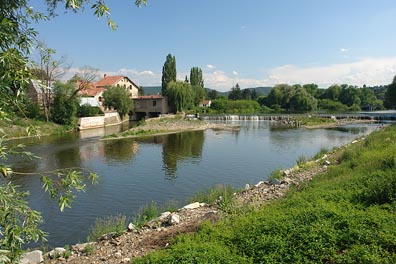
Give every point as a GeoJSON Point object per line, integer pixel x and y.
{"type": "Point", "coordinates": [147, 106]}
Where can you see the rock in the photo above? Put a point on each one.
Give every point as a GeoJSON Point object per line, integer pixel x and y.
{"type": "Point", "coordinates": [274, 182]}
{"type": "Point", "coordinates": [173, 219]}
{"type": "Point", "coordinates": [108, 236]}
{"type": "Point", "coordinates": [132, 228]}
{"type": "Point", "coordinates": [164, 216]}
{"type": "Point", "coordinates": [327, 162]}
{"type": "Point", "coordinates": [57, 252]}
{"type": "Point", "coordinates": [287, 172]}
{"type": "Point", "coordinates": [247, 186]}
{"type": "Point", "coordinates": [33, 257]}
{"type": "Point", "coordinates": [259, 183]}
{"type": "Point", "coordinates": [194, 205]}
{"type": "Point", "coordinates": [118, 255]}
{"type": "Point", "coordinates": [355, 141]}
{"type": "Point", "coordinates": [81, 247]}
{"type": "Point", "coordinates": [126, 260]}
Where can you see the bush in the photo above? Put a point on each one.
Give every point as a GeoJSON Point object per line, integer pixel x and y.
{"type": "Point", "coordinates": [110, 224]}
{"type": "Point", "coordinates": [88, 111]}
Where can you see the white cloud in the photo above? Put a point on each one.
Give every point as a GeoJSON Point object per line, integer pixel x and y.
{"type": "Point", "coordinates": [210, 66]}
{"type": "Point", "coordinates": [235, 73]}
{"type": "Point", "coordinates": [344, 50]}
{"type": "Point", "coordinates": [369, 71]}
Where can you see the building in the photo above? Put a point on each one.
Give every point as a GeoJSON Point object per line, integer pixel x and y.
{"type": "Point", "coordinates": [118, 81]}
{"type": "Point", "coordinates": [36, 90]}
{"type": "Point", "coordinates": [148, 106]}
{"type": "Point", "coordinates": [91, 96]}
{"type": "Point", "coordinates": [205, 103]}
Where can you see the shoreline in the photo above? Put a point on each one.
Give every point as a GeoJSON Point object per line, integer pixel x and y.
{"type": "Point", "coordinates": [153, 236]}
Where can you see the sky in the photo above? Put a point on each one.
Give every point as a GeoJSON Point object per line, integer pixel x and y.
{"type": "Point", "coordinates": [250, 42]}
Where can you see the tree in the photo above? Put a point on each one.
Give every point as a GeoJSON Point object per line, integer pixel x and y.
{"type": "Point", "coordinates": [246, 94]}
{"type": "Point", "coordinates": [180, 95]}
{"type": "Point", "coordinates": [49, 70]}
{"type": "Point", "coordinates": [65, 106]}
{"type": "Point", "coordinates": [141, 90]}
{"type": "Point", "coordinates": [390, 94]}
{"type": "Point", "coordinates": [118, 98]}
{"type": "Point", "coordinates": [302, 101]}
{"type": "Point", "coordinates": [199, 94]}
{"type": "Point", "coordinates": [84, 79]}
{"type": "Point", "coordinates": [196, 78]}
{"type": "Point", "coordinates": [168, 72]}
{"type": "Point", "coordinates": [212, 94]}
{"type": "Point", "coordinates": [235, 93]}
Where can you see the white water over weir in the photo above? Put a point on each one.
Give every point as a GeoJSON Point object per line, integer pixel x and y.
{"type": "Point", "coordinates": [247, 117]}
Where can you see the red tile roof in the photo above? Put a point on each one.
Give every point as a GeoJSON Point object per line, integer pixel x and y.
{"type": "Point", "coordinates": [91, 92]}
{"type": "Point", "coordinates": [108, 81]}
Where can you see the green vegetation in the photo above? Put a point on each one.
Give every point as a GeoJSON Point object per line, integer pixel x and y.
{"type": "Point", "coordinates": [114, 225]}
{"type": "Point", "coordinates": [346, 215]}
{"type": "Point", "coordinates": [118, 98]}
{"type": "Point", "coordinates": [153, 210]}
{"type": "Point", "coordinates": [313, 120]}
{"type": "Point", "coordinates": [220, 194]}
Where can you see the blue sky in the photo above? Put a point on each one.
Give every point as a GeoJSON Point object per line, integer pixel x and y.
{"type": "Point", "coordinates": [252, 42]}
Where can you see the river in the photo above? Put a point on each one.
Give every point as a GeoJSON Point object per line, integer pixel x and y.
{"type": "Point", "coordinates": [134, 172]}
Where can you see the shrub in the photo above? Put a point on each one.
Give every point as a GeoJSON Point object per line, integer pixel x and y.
{"type": "Point", "coordinates": [110, 224]}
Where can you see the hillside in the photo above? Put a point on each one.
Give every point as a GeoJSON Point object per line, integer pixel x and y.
{"type": "Point", "coordinates": [148, 90]}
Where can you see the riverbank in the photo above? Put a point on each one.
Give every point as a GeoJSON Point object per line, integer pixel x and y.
{"type": "Point", "coordinates": [168, 125]}
{"type": "Point", "coordinates": [342, 176]}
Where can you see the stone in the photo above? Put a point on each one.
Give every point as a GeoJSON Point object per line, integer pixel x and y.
{"type": "Point", "coordinates": [164, 216]}
{"type": "Point", "coordinates": [81, 247]}
{"type": "Point", "coordinates": [259, 183]}
{"type": "Point", "coordinates": [108, 236]}
{"type": "Point", "coordinates": [118, 255]}
{"type": "Point", "coordinates": [173, 219]}
{"type": "Point", "coordinates": [57, 252]}
{"type": "Point", "coordinates": [192, 206]}
{"type": "Point", "coordinates": [355, 141]}
{"type": "Point", "coordinates": [287, 172]}
{"type": "Point", "coordinates": [327, 162]}
{"type": "Point", "coordinates": [274, 182]}
{"type": "Point", "coordinates": [33, 257]}
{"type": "Point", "coordinates": [126, 260]}
{"type": "Point", "coordinates": [132, 228]}
{"type": "Point", "coordinates": [247, 186]}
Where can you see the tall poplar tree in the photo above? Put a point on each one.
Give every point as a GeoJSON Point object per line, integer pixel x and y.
{"type": "Point", "coordinates": [196, 78]}
{"type": "Point", "coordinates": [168, 72]}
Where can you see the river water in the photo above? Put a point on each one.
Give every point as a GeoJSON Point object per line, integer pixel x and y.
{"type": "Point", "coordinates": [134, 172]}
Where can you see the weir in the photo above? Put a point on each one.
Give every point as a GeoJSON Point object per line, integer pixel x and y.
{"type": "Point", "coordinates": [375, 116]}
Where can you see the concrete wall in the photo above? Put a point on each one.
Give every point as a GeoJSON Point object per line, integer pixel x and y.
{"type": "Point", "coordinates": [108, 119]}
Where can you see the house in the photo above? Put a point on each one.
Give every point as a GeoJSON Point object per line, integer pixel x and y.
{"type": "Point", "coordinates": [36, 90]}
{"type": "Point", "coordinates": [205, 103]}
{"type": "Point", "coordinates": [91, 96]}
{"type": "Point", "coordinates": [118, 81]}
{"type": "Point", "coordinates": [147, 106]}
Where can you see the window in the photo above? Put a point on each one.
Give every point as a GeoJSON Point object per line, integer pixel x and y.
{"type": "Point", "coordinates": [154, 103]}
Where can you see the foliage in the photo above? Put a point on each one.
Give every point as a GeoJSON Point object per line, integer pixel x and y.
{"type": "Point", "coordinates": [390, 95]}
{"type": "Point", "coordinates": [180, 95]}
{"type": "Point", "coordinates": [196, 78]}
{"type": "Point", "coordinates": [19, 224]}
{"type": "Point", "coordinates": [237, 106]}
{"type": "Point", "coordinates": [343, 216]}
{"type": "Point", "coordinates": [331, 105]}
{"type": "Point", "coordinates": [168, 73]}
{"type": "Point", "coordinates": [147, 213]}
{"type": "Point", "coordinates": [87, 111]}
{"type": "Point", "coordinates": [235, 93]}
{"type": "Point", "coordinates": [219, 194]}
{"type": "Point", "coordinates": [199, 94]}
{"type": "Point", "coordinates": [64, 107]}
{"type": "Point", "coordinates": [106, 225]}
{"type": "Point", "coordinates": [118, 98]}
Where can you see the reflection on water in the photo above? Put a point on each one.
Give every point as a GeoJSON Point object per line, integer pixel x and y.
{"type": "Point", "coordinates": [134, 172]}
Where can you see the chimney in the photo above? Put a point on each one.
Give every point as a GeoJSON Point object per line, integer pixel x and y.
{"type": "Point", "coordinates": [104, 76]}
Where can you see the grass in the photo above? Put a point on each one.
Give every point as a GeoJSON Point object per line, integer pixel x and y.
{"type": "Point", "coordinates": [18, 127]}
{"type": "Point", "coordinates": [219, 194]}
{"type": "Point", "coordinates": [110, 224]}
{"type": "Point", "coordinates": [153, 210]}
{"type": "Point", "coordinates": [346, 215]}
{"type": "Point", "coordinates": [313, 120]}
